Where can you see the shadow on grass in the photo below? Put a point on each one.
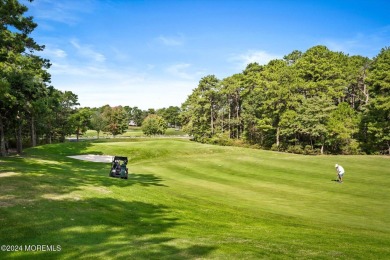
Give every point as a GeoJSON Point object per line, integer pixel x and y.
{"type": "Point", "coordinates": [61, 149]}
{"type": "Point", "coordinates": [42, 203]}
{"type": "Point", "coordinates": [145, 180]}
{"type": "Point", "coordinates": [98, 227]}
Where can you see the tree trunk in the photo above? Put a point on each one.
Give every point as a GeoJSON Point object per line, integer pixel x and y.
{"type": "Point", "coordinates": [388, 147]}
{"type": "Point", "coordinates": [19, 140]}
{"type": "Point", "coordinates": [222, 120]}
{"type": "Point", "coordinates": [364, 88]}
{"type": "Point", "coordinates": [277, 136]}
{"type": "Point", "coordinates": [77, 133]}
{"type": "Point", "coordinates": [33, 133]}
{"type": "Point", "coordinates": [48, 135]}
{"type": "Point", "coordinates": [230, 112]}
{"type": "Point", "coordinates": [211, 120]}
{"type": "Point", "coordinates": [238, 120]}
{"type": "Point", "coordinates": [49, 138]}
{"type": "Point", "coordinates": [2, 139]}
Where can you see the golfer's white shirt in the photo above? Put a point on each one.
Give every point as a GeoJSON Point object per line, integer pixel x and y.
{"type": "Point", "coordinates": [340, 169]}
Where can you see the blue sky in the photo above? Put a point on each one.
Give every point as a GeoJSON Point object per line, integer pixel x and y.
{"type": "Point", "coordinates": [152, 54]}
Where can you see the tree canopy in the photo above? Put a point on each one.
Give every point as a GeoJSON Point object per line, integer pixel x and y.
{"type": "Point", "coordinates": [317, 101]}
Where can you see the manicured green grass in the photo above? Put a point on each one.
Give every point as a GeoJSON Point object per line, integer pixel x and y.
{"type": "Point", "coordinates": [186, 200]}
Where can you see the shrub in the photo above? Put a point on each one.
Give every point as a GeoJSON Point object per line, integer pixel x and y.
{"type": "Point", "coordinates": [352, 148]}
{"type": "Point", "coordinates": [295, 149]}
{"type": "Point", "coordinates": [275, 147]}
{"type": "Point", "coordinates": [154, 125]}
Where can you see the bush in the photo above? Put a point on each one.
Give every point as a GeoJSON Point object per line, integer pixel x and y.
{"type": "Point", "coordinates": [275, 147]}
{"type": "Point", "coordinates": [309, 150]}
{"type": "Point", "coordinates": [154, 125]}
{"type": "Point", "coordinates": [295, 149]}
{"type": "Point", "coordinates": [352, 148]}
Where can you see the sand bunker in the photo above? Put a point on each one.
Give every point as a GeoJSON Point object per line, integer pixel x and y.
{"type": "Point", "coordinates": [93, 158]}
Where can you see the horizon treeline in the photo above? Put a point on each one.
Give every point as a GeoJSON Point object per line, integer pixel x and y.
{"type": "Point", "coordinates": [312, 102]}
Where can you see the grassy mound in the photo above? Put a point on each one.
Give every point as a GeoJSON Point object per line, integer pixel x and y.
{"type": "Point", "coordinates": [190, 200]}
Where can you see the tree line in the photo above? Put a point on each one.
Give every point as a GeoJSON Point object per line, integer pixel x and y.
{"type": "Point", "coordinates": [116, 120]}
{"type": "Point", "coordinates": [313, 102]}
{"type": "Point", "coordinates": [32, 111]}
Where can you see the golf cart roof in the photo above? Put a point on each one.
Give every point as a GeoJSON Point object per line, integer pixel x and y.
{"type": "Point", "coordinates": [120, 158]}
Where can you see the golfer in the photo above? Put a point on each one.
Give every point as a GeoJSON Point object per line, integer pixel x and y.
{"type": "Point", "coordinates": [340, 172]}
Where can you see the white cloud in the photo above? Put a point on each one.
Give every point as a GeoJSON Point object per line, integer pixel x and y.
{"type": "Point", "coordinates": [151, 93]}
{"type": "Point", "coordinates": [250, 56]}
{"type": "Point", "coordinates": [87, 51]}
{"type": "Point", "coordinates": [171, 41]}
{"type": "Point", "coordinates": [179, 70]}
{"type": "Point", "coordinates": [370, 44]}
{"type": "Point", "coordinates": [66, 12]}
{"type": "Point", "coordinates": [54, 53]}
{"type": "Point", "coordinates": [120, 88]}
{"type": "Point", "coordinates": [111, 76]}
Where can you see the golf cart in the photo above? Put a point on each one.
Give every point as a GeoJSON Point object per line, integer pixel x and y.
{"type": "Point", "coordinates": [118, 167]}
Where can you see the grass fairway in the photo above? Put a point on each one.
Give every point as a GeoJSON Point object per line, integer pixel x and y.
{"type": "Point", "coordinates": [186, 200]}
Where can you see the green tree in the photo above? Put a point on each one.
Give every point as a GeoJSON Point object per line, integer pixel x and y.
{"type": "Point", "coordinates": [136, 115]}
{"type": "Point", "coordinates": [170, 115]}
{"type": "Point", "coordinates": [80, 120]}
{"type": "Point", "coordinates": [64, 108]}
{"type": "Point", "coordinates": [15, 29]}
{"type": "Point", "coordinates": [199, 110]}
{"type": "Point", "coordinates": [27, 79]}
{"type": "Point", "coordinates": [255, 127]}
{"type": "Point", "coordinates": [342, 125]}
{"type": "Point", "coordinates": [321, 71]}
{"type": "Point", "coordinates": [56, 109]}
{"type": "Point", "coordinates": [232, 89]}
{"type": "Point", "coordinates": [376, 123]}
{"type": "Point", "coordinates": [116, 119]}
{"type": "Point", "coordinates": [357, 91]}
{"type": "Point", "coordinates": [314, 100]}
{"type": "Point", "coordinates": [98, 122]}
{"type": "Point", "coordinates": [279, 87]}
{"type": "Point", "coordinates": [154, 125]}
{"type": "Point", "coordinates": [312, 117]}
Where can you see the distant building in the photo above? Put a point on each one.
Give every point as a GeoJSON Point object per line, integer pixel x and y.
{"type": "Point", "coordinates": [132, 123]}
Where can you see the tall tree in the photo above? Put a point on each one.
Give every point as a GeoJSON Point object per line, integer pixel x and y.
{"type": "Point", "coordinates": [80, 120]}
{"type": "Point", "coordinates": [312, 118]}
{"type": "Point", "coordinates": [116, 119]}
{"type": "Point", "coordinates": [232, 89]}
{"type": "Point", "coordinates": [279, 86]}
{"type": "Point", "coordinates": [15, 44]}
{"type": "Point", "coordinates": [66, 107]}
{"type": "Point", "coordinates": [377, 117]}
{"type": "Point", "coordinates": [199, 111]}
{"type": "Point", "coordinates": [321, 71]}
{"type": "Point", "coordinates": [170, 115]}
{"type": "Point", "coordinates": [357, 91]}
{"type": "Point", "coordinates": [343, 124]}
{"type": "Point", "coordinates": [98, 122]}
